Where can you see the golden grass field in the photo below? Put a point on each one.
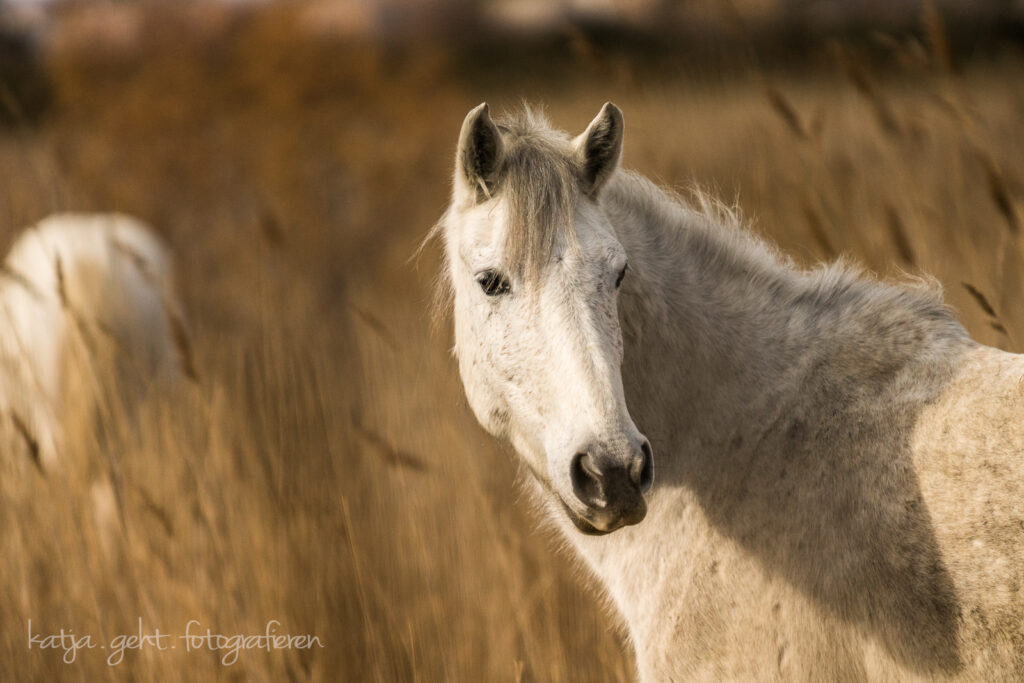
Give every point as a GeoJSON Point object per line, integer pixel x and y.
{"type": "Point", "coordinates": [324, 470]}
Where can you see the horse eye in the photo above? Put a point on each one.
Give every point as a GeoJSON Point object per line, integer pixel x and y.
{"type": "Point", "coordinates": [493, 283]}
{"type": "Point", "coordinates": [622, 275]}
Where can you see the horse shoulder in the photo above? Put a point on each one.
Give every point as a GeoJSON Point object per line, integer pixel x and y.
{"type": "Point", "coordinates": [969, 453]}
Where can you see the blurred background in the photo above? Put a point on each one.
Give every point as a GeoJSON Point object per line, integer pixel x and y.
{"type": "Point", "coordinates": [323, 469]}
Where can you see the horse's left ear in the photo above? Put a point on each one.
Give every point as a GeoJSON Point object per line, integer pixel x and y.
{"type": "Point", "coordinates": [479, 156]}
{"type": "Point", "coordinates": [599, 148]}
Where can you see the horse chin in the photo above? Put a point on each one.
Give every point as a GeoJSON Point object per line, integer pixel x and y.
{"type": "Point", "coordinates": [583, 524]}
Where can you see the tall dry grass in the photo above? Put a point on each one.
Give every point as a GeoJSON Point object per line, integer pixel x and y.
{"type": "Point", "coordinates": [322, 468]}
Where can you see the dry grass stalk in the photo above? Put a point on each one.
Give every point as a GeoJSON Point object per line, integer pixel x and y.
{"type": "Point", "coordinates": [376, 325]}
{"type": "Point", "coordinates": [139, 261]}
{"type": "Point", "coordinates": [182, 341]}
{"type": "Point", "coordinates": [1000, 193]}
{"type": "Point", "coordinates": [980, 299]}
{"type": "Point", "coordinates": [786, 111]}
{"type": "Point", "coordinates": [936, 36]}
{"type": "Point", "coordinates": [395, 457]}
{"type": "Point", "coordinates": [22, 281]}
{"type": "Point", "coordinates": [11, 105]}
{"type": "Point", "coordinates": [62, 290]}
{"type": "Point", "coordinates": [862, 82]}
{"type": "Point", "coordinates": [80, 323]}
{"type": "Point", "coordinates": [86, 326]}
{"type": "Point", "coordinates": [154, 508]}
{"type": "Point", "coordinates": [31, 443]}
{"type": "Point", "coordinates": [175, 321]}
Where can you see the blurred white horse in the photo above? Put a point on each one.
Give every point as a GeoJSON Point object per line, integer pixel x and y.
{"type": "Point", "coordinates": [840, 469]}
{"type": "Point", "coordinates": [71, 284]}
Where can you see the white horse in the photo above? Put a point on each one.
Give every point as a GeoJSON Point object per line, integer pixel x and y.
{"type": "Point", "coordinates": [97, 279]}
{"type": "Point", "coordinates": [840, 487]}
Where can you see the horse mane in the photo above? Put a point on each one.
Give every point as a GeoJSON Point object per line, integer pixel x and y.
{"type": "Point", "coordinates": [717, 239]}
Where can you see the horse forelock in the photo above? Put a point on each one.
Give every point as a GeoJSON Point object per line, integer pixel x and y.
{"type": "Point", "coordinates": [539, 184]}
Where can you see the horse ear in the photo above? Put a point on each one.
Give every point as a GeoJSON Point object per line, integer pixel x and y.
{"type": "Point", "coordinates": [599, 148]}
{"type": "Point", "coordinates": [479, 156]}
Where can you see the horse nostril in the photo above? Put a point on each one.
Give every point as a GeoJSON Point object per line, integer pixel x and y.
{"type": "Point", "coordinates": [586, 480]}
{"type": "Point", "coordinates": [642, 472]}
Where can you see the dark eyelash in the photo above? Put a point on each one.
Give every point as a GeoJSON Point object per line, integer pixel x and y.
{"type": "Point", "coordinates": [622, 275]}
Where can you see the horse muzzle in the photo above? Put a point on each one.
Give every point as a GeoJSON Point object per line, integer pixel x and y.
{"type": "Point", "coordinates": [611, 492]}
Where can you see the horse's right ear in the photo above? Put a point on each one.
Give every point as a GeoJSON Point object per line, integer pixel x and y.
{"type": "Point", "coordinates": [479, 156]}
{"type": "Point", "coordinates": [599, 148]}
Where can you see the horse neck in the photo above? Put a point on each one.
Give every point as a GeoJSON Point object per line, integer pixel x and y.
{"type": "Point", "coordinates": [710, 311]}
{"type": "Point", "coordinates": [708, 305]}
